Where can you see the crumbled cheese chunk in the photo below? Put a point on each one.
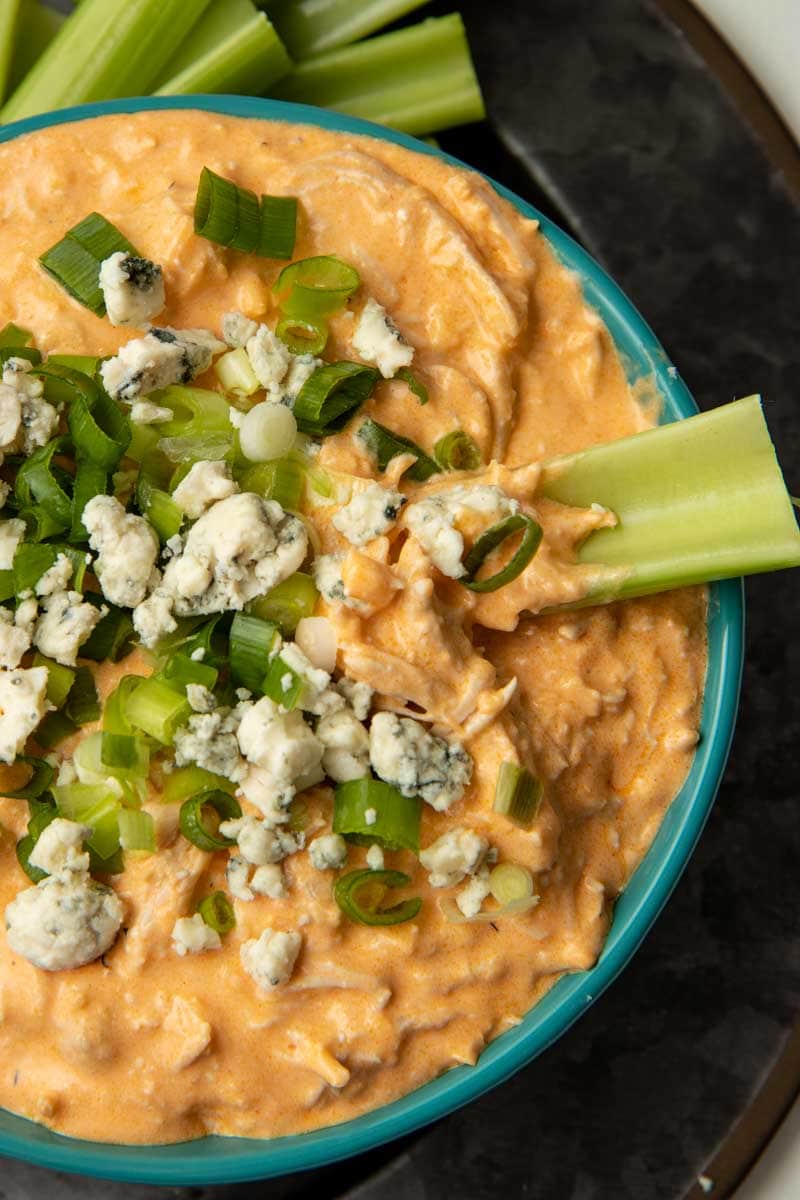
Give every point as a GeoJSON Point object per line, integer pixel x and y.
{"type": "Point", "coordinates": [205, 483]}
{"type": "Point", "coordinates": [201, 700]}
{"type": "Point", "coordinates": [56, 578]}
{"type": "Point", "coordinates": [64, 922]}
{"type": "Point", "coordinates": [241, 548]}
{"type": "Point", "coordinates": [282, 744]}
{"type": "Point", "coordinates": [159, 359]}
{"type": "Point", "coordinates": [64, 625]}
{"type": "Point", "coordinates": [191, 935]}
{"type": "Point", "coordinates": [269, 357]}
{"type": "Point", "coordinates": [127, 550]}
{"type": "Point", "coordinates": [27, 421]}
{"type": "Point", "coordinates": [16, 630]}
{"type": "Point", "coordinates": [369, 514]}
{"type": "Point", "coordinates": [59, 847]}
{"type": "Point", "coordinates": [23, 703]}
{"type": "Point", "coordinates": [457, 853]}
{"type": "Point", "coordinates": [416, 762]}
{"type": "Point", "coordinates": [209, 740]}
{"type": "Point", "coordinates": [358, 695]}
{"type": "Point", "coordinates": [329, 852]}
{"type": "Point", "coordinates": [132, 287]}
{"type": "Point", "coordinates": [377, 340]}
{"type": "Point", "coordinates": [11, 534]}
{"type": "Point", "coordinates": [315, 681]}
{"type": "Point", "coordinates": [433, 521]}
{"type": "Point", "coordinates": [237, 329]}
{"type": "Point", "coordinates": [258, 842]}
{"type": "Point", "coordinates": [144, 412]}
{"type": "Point", "coordinates": [271, 958]}
{"type": "Point", "coordinates": [269, 881]}
{"type": "Point", "coordinates": [375, 857]}
{"type": "Point", "coordinates": [346, 746]}
{"type": "Point", "coordinates": [471, 897]}
{"type": "Point", "coordinates": [153, 619]}
{"type": "Point", "coordinates": [237, 877]}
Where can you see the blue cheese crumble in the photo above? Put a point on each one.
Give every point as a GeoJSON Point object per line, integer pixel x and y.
{"type": "Point", "coordinates": [127, 549]}
{"type": "Point", "coordinates": [457, 853]}
{"type": "Point", "coordinates": [64, 922]}
{"type": "Point", "coordinates": [377, 340]}
{"type": "Point", "coordinates": [433, 521]}
{"type": "Point", "coordinates": [23, 703]}
{"type": "Point", "coordinates": [369, 514]}
{"type": "Point", "coordinates": [418, 763]}
{"type": "Point", "coordinates": [270, 959]}
{"type": "Point", "coordinates": [132, 287]}
{"type": "Point", "coordinates": [159, 359]}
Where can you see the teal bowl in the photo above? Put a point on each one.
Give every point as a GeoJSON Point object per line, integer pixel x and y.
{"type": "Point", "coordinates": [215, 1160]}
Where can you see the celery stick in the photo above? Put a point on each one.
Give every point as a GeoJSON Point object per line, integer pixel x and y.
{"type": "Point", "coordinates": [419, 79]}
{"type": "Point", "coordinates": [9, 20]}
{"type": "Point", "coordinates": [696, 500]}
{"type": "Point", "coordinates": [310, 27]}
{"type": "Point", "coordinates": [232, 48]}
{"type": "Point", "coordinates": [36, 28]}
{"type": "Point", "coordinates": [105, 48]}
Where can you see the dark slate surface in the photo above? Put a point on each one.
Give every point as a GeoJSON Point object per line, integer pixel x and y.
{"type": "Point", "coordinates": [608, 121]}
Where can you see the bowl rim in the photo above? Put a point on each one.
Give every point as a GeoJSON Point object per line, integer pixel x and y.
{"type": "Point", "coordinates": [219, 1160]}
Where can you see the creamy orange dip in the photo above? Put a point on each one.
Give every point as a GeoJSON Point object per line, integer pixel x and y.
{"type": "Point", "coordinates": [147, 1046]}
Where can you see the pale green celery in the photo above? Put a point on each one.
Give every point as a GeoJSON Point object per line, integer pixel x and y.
{"type": "Point", "coordinates": [310, 27]}
{"type": "Point", "coordinates": [419, 79]}
{"type": "Point", "coordinates": [697, 500]}
{"type": "Point", "coordinates": [105, 48]}
{"type": "Point", "coordinates": [232, 48]}
{"type": "Point", "coordinates": [36, 28]}
{"type": "Point", "coordinates": [9, 22]}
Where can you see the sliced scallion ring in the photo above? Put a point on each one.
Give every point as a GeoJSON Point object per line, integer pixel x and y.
{"type": "Point", "coordinates": [251, 642]}
{"type": "Point", "coordinates": [290, 600]}
{"type": "Point", "coordinates": [194, 819]}
{"type": "Point", "coordinates": [396, 818]}
{"type": "Point", "coordinates": [414, 385]}
{"type": "Point", "coordinates": [90, 481]}
{"type": "Point", "coordinates": [302, 336]}
{"type": "Point", "coordinates": [111, 636]}
{"type": "Point", "coordinates": [157, 709]}
{"type": "Point", "coordinates": [217, 912]}
{"type": "Point", "coordinates": [100, 430]}
{"type": "Point", "coordinates": [322, 273]}
{"type": "Point", "coordinates": [456, 451]}
{"type": "Point", "coordinates": [74, 262]}
{"type": "Point", "coordinates": [359, 894]}
{"type": "Point", "coordinates": [184, 782]}
{"type": "Point", "coordinates": [510, 883]}
{"type": "Point", "coordinates": [282, 479]}
{"type": "Point", "coordinates": [59, 679]}
{"type": "Point", "coordinates": [136, 830]}
{"type": "Point", "coordinates": [278, 226]}
{"type": "Point", "coordinates": [517, 794]}
{"type": "Point", "coordinates": [490, 540]}
{"type": "Point", "coordinates": [40, 818]}
{"type": "Point", "coordinates": [83, 704]}
{"type": "Point", "coordinates": [329, 397]}
{"type": "Point", "coordinates": [226, 213]}
{"type": "Point", "coordinates": [37, 485]}
{"type": "Point", "coordinates": [39, 781]}
{"type": "Point", "coordinates": [384, 445]}
{"type": "Point", "coordinates": [282, 684]}
{"type": "Point", "coordinates": [180, 670]}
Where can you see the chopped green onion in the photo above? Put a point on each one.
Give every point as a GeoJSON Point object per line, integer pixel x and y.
{"type": "Point", "coordinates": [696, 500]}
{"type": "Point", "coordinates": [517, 795]}
{"type": "Point", "coordinates": [232, 49]}
{"type": "Point", "coordinates": [396, 817]}
{"type": "Point", "coordinates": [251, 641]}
{"type": "Point", "coordinates": [39, 524]}
{"type": "Point", "coordinates": [90, 481]}
{"type": "Point", "coordinates": [288, 602]}
{"type": "Point", "coordinates": [281, 480]}
{"type": "Point", "coordinates": [510, 883]}
{"type": "Point", "coordinates": [13, 337]}
{"type": "Point", "coordinates": [330, 397]}
{"type": "Point", "coordinates": [157, 709]}
{"type": "Point", "coordinates": [217, 912]}
{"type": "Point", "coordinates": [99, 429]}
{"type": "Point", "coordinates": [86, 364]}
{"type": "Point", "coordinates": [158, 507]}
{"type": "Point", "coordinates": [93, 804]}
{"type": "Point", "coordinates": [490, 540]}
{"type": "Point", "coordinates": [384, 445]}
{"type": "Point", "coordinates": [41, 816]}
{"type": "Point", "coordinates": [41, 776]}
{"type": "Point", "coordinates": [316, 287]}
{"type": "Point", "coordinates": [82, 704]}
{"type": "Point", "coordinates": [28, 352]}
{"type": "Point", "coordinates": [309, 27]}
{"type": "Point", "coordinates": [419, 79]}
{"type": "Point", "coordinates": [278, 226]}
{"type": "Point", "coordinates": [75, 261]}
{"type": "Point", "coordinates": [194, 819]}
{"type": "Point", "coordinates": [136, 830]}
{"type": "Point", "coordinates": [111, 637]}
{"type": "Point", "coordinates": [180, 670]}
{"type": "Point", "coordinates": [59, 679]}
{"type": "Point", "coordinates": [196, 413]}
{"type": "Point", "coordinates": [457, 451]}
{"type": "Point", "coordinates": [36, 484]}
{"type": "Point", "coordinates": [302, 336]}
{"type": "Point", "coordinates": [235, 373]}
{"type": "Point", "coordinates": [359, 893]}
{"type": "Point", "coordinates": [189, 781]}
{"type": "Point", "coordinates": [189, 449]}
{"type": "Point", "coordinates": [226, 213]}
{"type": "Point", "coordinates": [55, 727]}
{"type": "Point", "coordinates": [32, 560]}
{"type": "Point", "coordinates": [282, 684]}
{"type": "Point", "coordinates": [414, 385]}
{"type": "Point", "coordinates": [105, 48]}
{"type": "Point", "coordinates": [210, 639]}
{"type": "Point", "coordinates": [124, 754]}
{"type": "Point", "coordinates": [267, 432]}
